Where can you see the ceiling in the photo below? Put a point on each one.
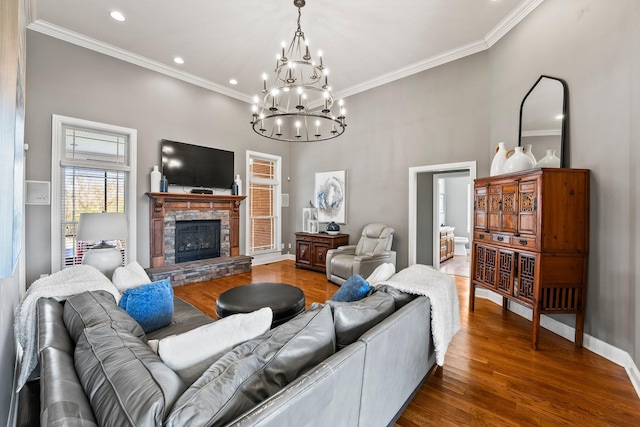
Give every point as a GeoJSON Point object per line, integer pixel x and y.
{"type": "Point", "coordinates": [365, 43]}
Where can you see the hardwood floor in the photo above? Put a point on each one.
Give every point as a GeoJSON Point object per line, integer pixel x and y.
{"type": "Point", "coordinates": [490, 375]}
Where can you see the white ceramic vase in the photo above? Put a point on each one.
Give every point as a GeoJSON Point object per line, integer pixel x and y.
{"type": "Point", "coordinates": [528, 152]}
{"type": "Point", "coordinates": [518, 161]}
{"type": "Point", "coordinates": [155, 180]}
{"type": "Point", "coordinates": [497, 164]}
{"type": "Point", "coordinates": [549, 161]}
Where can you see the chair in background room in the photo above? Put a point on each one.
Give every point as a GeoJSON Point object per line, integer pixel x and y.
{"type": "Point", "coordinates": [373, 249]}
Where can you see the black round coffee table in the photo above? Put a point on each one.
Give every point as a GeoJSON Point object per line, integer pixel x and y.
{"type": "Point", "coordinates": [286, 301]}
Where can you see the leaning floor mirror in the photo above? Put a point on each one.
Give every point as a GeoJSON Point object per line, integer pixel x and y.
{"type": "Point", "coordinates": [543, 120]}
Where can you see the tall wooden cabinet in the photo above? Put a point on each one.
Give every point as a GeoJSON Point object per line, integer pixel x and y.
{"type": "Point", "coordinates": [531, 242]}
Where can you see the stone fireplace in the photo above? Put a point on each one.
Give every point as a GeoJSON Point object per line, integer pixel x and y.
{"type": "Point", "coordinates": [195, 237]}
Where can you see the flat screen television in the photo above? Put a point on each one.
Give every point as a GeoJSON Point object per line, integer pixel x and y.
{"type": "Point", "coordinates": [191, 165]}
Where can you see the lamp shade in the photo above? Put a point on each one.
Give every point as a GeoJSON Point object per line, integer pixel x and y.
{"type": "Point", "coordinates": [94, 227]}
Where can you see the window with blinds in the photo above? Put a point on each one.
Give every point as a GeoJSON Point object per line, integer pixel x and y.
{"type": "Point", "coordinates": [95, 168]}
{"type": "Point", "coordinates": [263, 189]}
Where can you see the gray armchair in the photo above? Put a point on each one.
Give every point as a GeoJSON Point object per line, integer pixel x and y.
{"type": "Point", "coordinates": [373, 249]}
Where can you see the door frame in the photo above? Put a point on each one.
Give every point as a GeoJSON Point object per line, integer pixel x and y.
{"type": "Point", "coordinates": [470, 166]}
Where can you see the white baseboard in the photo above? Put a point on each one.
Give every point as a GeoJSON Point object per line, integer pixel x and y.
{"type": "Point", "coordinates": [269, 258]}
{"type": "Point", "coordinates": [599, 347]}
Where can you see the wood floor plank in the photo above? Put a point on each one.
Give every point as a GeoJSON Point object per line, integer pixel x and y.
{"type": "Point", "coordinates": [491, 376]}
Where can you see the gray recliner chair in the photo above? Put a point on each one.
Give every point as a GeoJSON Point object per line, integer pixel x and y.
{"type": "Point", "coordinates": [373, 249]}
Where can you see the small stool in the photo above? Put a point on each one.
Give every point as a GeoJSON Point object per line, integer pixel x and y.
{"type": "Point", "coordinates": [286, 301]}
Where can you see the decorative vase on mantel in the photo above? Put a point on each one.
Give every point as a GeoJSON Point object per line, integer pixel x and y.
{"type": "Point", "coordinates": [549, 161]}
{"type": "Point", "coordinates": [499, 160]}
{"type": "Point", "coordinates": [518, 161]}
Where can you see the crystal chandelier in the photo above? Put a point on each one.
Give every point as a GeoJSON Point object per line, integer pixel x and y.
{"type": "Point", "coordinates": [297, 106]}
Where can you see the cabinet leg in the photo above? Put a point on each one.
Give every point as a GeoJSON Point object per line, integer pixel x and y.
{"type": "Point", "coordinates": [505, 304]}
{"type": "Point", "coordinates": [579, 329]}
{"type": "Point", "coordinates": [472, 297]}
{"type": "Point", "coordinates": [535, 328]}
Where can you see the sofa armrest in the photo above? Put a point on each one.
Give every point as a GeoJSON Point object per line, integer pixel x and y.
{"type": "Point", "coordinates": [365, 264]}
{"type": "Point", "coordinates": [344, 250]}
{"type": "Point", "coordinates": [340, 250]}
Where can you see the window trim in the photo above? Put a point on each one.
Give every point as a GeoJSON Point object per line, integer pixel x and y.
{"type": "Point", "coordinates": [278, 203]}
{"type": "Point", "coordinates": [57, 163]}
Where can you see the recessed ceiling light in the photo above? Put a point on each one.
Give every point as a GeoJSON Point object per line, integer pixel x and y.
{"type": "Point", "coordinates": [178, 60]}
{"type": "Point", "coordinates": [233, 82]}
{"type": "Point", "coordinates": [118, 16]}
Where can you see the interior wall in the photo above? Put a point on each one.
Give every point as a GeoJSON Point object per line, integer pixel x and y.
{"type": "Point", "coordinates": [424, 218]}
{"type": "Point", "coordinates": [435, 117]}
{"type": "Point", "coordinates": [69, 80]}
{"type": "Point", "coordinates": [594, 46]}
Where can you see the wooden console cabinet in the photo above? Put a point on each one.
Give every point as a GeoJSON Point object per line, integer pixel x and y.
{"type": "Point", "coordinates": [531, 242]}
{"type": "Point", "coordinates": [446, 243]}
{"type": "Point", "coordinates": [311, 249]}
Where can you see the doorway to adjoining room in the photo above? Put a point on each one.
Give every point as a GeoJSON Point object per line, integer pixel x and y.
{"type": "Point", "coordinates": [440, 209]}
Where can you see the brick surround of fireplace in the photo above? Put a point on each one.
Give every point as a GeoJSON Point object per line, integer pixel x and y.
{"type": "Point", "coordinates": [167, 208]}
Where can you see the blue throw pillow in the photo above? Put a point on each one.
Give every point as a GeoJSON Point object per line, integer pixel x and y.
{"type": "Point", "coordinates": [354, 289]}
{"type": "Point", "coordinates": [151, 305]}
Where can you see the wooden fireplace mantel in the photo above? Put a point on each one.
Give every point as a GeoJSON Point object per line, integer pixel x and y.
{"type": "Point", "coordinates": [162, 203]}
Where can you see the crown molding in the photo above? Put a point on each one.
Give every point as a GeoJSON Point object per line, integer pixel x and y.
{"type": "Point", "coordinates": [511, 20]}
{"type": "Point", "coordinates": [52, 30]}
{"type": "Point", "coordinates": [432, 62]}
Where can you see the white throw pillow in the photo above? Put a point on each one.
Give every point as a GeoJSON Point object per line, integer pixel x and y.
{"type": "Point", "coordinates": [382, 273]}
{"type": "Point", "coordinates": [131, 275]}
{"type": "Point", "coordinates": [213, 340]}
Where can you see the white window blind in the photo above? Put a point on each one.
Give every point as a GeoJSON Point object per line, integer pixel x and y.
{"type": "Point", "coordinates": [95, 168]}
{"type": "Point", "coordinates": [263, 189]}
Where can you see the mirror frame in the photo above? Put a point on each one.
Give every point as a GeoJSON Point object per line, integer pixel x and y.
{"type": "Point", "coordinates": [564, 162]}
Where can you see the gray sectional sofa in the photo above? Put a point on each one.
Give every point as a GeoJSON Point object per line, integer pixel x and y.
{"type": "Point", "coordinates": [327, 367]}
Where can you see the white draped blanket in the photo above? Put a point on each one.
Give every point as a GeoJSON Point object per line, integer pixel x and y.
{"type": "Point", "coordinates": [445, 308]}
{"type": "Point", "coordinates": [60, 286]}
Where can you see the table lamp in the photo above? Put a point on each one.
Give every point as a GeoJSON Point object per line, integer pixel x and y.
{"type": "Point", "coordinates": [94, 227]}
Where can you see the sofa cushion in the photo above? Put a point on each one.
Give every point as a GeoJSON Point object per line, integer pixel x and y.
{"type": "Point", "coordinates": [352, 319]}
{"type": "Point", "coordinates": [125, 380]}
{"type": "Point", "coordinates": [130, 276]}
{"type": "Point", "coordinates": [255, 370]}
{"type": "Point", "coordinates": [191, 353]}
{"type": "Point", "coordinates": [91, 308]}
{"type": "Point", "coordinates": [381, 273]}
{"type": "Point", "coordinates": [151, 305]}
{"type": "Point", "coordinates": [353, 289]}
{"type": "Point", "coordinates": [400, 298]}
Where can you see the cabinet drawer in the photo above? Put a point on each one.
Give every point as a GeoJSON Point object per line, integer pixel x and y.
{"type": "Point", "coordinates": [527, 242]}
{"type": "Point", "coordinates": [504, 239]}
{"type": "Point", "coordinates": [482, 236]}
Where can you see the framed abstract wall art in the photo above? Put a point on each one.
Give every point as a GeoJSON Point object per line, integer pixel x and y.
{"type": "Point", "coordinates": [331, 196]}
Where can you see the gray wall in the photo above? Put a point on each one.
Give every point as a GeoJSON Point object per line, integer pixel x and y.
{"type": "Point", "coordinates": [435, 117]}
{"type": "Point", "coordinates": [424, 218]}
{"type": "Point", "coordinates": [594, 45]}
{"type": "Point", "coordinates": [72, 81]}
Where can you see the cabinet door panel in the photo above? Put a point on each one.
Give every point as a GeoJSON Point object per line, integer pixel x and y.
{"type": "Point", "coordinates": [320, 254]}
{"type": "Point", "coordinates": [528, 207]}
{"type": "Point", "coordinates": [303, 253]}
{"type": "Point", "coordinates": [526, 277]}
{"type": "Point", "coordinates": [509, 208]}
{"type": "Point", "coordinates": [480, 208]}
{"type": "Point", "coordinates": [507, 260]}
{"type": "Point", "coordinates": [494, 212]}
